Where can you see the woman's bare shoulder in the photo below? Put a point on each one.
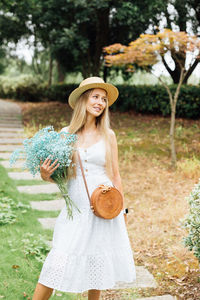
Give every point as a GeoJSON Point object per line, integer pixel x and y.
{"type": "Point", "coordinates": [65, 129]}
{"type": "Point", "coordinates": [112, 133]}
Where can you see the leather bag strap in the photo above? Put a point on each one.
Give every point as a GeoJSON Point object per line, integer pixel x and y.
{"type": "Point", "coordinates": [84, 179]}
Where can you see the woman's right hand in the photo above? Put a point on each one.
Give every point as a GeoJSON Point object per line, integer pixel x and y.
{"type": "Point", "coordinates": [47, 169]}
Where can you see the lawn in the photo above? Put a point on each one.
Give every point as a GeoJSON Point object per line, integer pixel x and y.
{"type": "Point", "coordinates": [154, 193]}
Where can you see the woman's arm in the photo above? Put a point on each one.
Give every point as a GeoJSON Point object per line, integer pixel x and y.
{"type": "Point", "coordinates": [115, 165]}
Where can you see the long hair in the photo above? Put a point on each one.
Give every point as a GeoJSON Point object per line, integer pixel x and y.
{"type": "Point", "coordinates": [77, 123]}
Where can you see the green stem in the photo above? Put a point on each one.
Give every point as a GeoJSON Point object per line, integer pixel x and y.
{"type": "Point", "coordinates": [61, 183]}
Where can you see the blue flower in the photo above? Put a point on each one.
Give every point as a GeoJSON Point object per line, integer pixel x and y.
{"type": "Point", "coordinates": [49, 143]}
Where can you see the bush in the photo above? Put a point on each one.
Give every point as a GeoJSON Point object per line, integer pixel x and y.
{"type": "Point", "coordinates": [142, 99]}
{"type": "Point", "coordinates": [192, 222]}
{"type": "Point", "coordinates": [60, 92]}
{"type": "Point", "coordinates": [24, 88]}
{"type": "Point", "coordinates": [155, 100]}
{"type": "Point", "coordinates": [8, 208]}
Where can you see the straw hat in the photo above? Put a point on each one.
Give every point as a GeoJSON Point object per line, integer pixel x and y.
{"type": "Point", "coordinates": [94, 83]}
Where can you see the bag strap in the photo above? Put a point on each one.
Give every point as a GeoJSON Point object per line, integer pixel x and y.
{"type": "Point", "coordinates": [84, 179]}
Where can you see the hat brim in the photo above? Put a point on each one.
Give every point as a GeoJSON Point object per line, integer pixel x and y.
{"type": "Point", "coordinates": [112, 92]}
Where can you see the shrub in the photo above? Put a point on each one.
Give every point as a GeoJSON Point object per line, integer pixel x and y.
{"type": "Point", "coordinates": [24, 88]}
{"type": "Point", "coordinates": [60, 92]}
{"type": "Point", "coordinates": [155, 100]}
{"type": "Point", "coordinates": [35, 246]}
{"type": "Point", "coordinates": [192, 222]}
{"type": "Point", "coordinates": [141, 98]}
{"type": "Point", "coordinates": [8, 208]}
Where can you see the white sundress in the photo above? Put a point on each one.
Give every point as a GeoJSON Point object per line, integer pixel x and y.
{"type": "Point", "coordinates": [88, 252]}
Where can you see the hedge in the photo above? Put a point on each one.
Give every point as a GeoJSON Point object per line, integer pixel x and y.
{"type": "Point", "coordinates": [143, 99]}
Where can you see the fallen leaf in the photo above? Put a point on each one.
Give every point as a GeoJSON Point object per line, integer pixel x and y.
{"type": "Point", "coordinates": [15, 266]}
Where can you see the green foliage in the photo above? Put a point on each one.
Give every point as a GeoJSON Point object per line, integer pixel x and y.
{"type": "Point", "coordinates": [10, 206]}
{"type": "Point", "coordinates": [77, 32]}
{"type": "Point", "coordinates": [24, 87]}
{"type": "Point", "coordinates": [33, 246]}
{"type": "Point", "coordinates": [141, 98]}
{"type": "Point", "coordinates": [192, 222]}
{"type": "Point", "coordinates": [155, 100]}
{"type": "Point", "coordinates": [8, 209]}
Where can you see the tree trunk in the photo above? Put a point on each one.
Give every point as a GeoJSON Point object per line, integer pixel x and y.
{"type": "Point", "coordinates": [50, 69]}
{"type": "Point", "coordinates": [173, 101]}
{"type": "Point", "coordinates": [61, 75]}
{"type": "Point", "coordinates": [176, 73]}
{"type": "Point", "coordinates": [102, 34]}
{"type": "Point", "coordinates": [105, 73]}
{"type": "Point", "coordinates": [171, 134]}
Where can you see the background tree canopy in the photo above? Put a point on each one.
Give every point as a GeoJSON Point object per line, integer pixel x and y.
{"type": "Point", "coordinates": [73, 32]}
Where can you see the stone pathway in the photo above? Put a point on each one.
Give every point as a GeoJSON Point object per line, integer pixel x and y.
{"type": "Point", "coordinates": [50, 205]}
{"type": "Point", "coordinates": [47, 223]}
{"type": "Point", "coordinates": [12, 141]}
{"type": "Point", "coordinates": [6, 164]}
{"type": "Point", "coordinates": [24, 176]}
{"type": "Point", "coordinates": [5, 155]}
{"type": "Point", "coordinates": [8, 148]}
{"type": "Point", "coordinates": [49, 188]}
{"type": "Point", "coordinates": [8, 134]}
{"type": "Point", "coordinates": [12, 129]}
{"type": "Point", "coordinates": [11, 133]}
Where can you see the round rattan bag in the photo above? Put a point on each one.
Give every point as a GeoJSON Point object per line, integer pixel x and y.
{"type": "Point", "coordinates": [107, 202]}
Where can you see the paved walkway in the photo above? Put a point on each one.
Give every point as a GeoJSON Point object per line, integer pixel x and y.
{"type": "Point", "coordinates": [11, 132]}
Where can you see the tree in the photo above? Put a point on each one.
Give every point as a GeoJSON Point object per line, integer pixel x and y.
{"type": "Point", "coordinates": [184, 15]}
{"type": "Point", "coordinates": [74, 31]}
{"type": "Point", "coordinates": [147, 50]}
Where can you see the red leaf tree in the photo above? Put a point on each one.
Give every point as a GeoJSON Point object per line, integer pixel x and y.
{"type": "Point", "coordinates": [150, 49]}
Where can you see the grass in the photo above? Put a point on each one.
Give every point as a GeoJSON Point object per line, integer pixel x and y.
{"type": "Point", "coordinates": [19, 272]}
{"type": "Point", "coordinates": [19, 241]}
{"type": "Point", "coordinates": [154, 193]}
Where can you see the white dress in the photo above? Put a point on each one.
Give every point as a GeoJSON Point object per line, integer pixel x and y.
{"type": "Point", "coordinates": [88, 252]}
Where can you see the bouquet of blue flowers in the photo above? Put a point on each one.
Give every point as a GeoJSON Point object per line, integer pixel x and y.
{"type": "Point", "coordinates": [49, 143]}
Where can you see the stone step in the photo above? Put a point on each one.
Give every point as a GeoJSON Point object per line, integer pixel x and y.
{"type": "Point", "coordinates": [7, 141]}
{"type": "Point", "coordinates": [50, 205]}
{"type": "Point", "coordinates": [10, 135]}
{"type": "Point", "coordinates": [18, 165]}
{"type": "Point", "coordinates": [164, 297]}
{"type": "Point", "coordinates": [8, 148]}
{"type": "Point", "coordinates": [39, 189]}
{"type": "Point", "coordinates": [24, 176]}
{"type": "Point", "coordinates": [10, 125]}
{"type": "Point", "coordinates": [5, 155]}
{"type": "Point", "coordinates": [47, 223]}
{"type": "Point", "coordinates": [11, 129]}
{"type": "Point", "coordinates": [8, 107]}
{"type": "Point", "coordinates": [144, 279]}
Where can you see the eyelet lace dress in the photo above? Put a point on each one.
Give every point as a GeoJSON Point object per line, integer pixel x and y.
{"type": "Point", "coordinates": [88, 252]}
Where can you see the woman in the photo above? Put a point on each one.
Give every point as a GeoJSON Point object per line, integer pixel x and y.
{"type": "Point", "coordinates": [88, 253]}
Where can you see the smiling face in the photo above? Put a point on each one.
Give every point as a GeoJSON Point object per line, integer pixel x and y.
{"type": "Point", "coordinates": [96, 102]}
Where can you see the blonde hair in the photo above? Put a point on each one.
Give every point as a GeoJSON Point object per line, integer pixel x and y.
{"type": "Point", "coordinates": [77, 123]}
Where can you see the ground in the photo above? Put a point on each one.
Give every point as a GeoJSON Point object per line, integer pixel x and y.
{"type": "Point", "coordinates": [154, 192]}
